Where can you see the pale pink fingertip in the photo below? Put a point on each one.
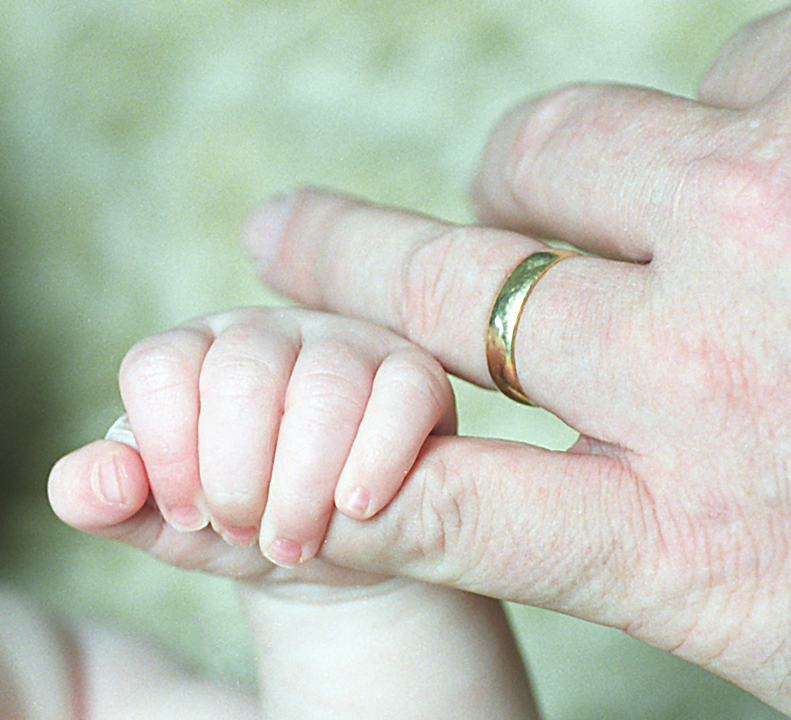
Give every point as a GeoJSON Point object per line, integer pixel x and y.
{"type": "Point", "coordinates": [355, 504]}
{"type": "Point", "coordinates": [240, 536]}
{"type": "Point", "coordinates": [185, 518]}
{"type": "Point", "coordinates": [264, 229]}
{"type": "Point", "coordinates": [284, 553]}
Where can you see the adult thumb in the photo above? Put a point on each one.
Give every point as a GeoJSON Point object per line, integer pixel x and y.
{"type": "Point", "coordinates": [559, 530]}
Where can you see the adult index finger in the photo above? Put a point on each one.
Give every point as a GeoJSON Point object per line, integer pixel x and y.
{"type": "Point", "coordinates": [434, 283]}
{"type": "Point", "coordinates": [429, 280]}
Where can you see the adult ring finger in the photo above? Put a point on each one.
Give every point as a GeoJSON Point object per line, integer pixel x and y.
{"type": "Point", "coordinates": [504, 319]}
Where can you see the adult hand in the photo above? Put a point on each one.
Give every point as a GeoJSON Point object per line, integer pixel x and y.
{"type": "Point", "coordinates": [669, 351]}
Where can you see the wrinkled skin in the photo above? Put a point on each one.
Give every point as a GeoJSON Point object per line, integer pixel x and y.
{"type": "Point", "coordinates": [670, 352]}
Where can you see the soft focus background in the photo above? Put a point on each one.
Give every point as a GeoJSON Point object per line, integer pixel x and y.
{"type": "Point", "coordinates": [134, 139]}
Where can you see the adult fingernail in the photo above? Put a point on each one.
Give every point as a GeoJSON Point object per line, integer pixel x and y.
{"type": "Point", "coordinates": [121, 431]}
{"type": "Point", "coordinates": [265, 228]}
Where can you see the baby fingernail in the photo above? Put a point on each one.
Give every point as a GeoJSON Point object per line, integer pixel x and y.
{"type": "Point", "coordinates": [106, 481]}
{"type": "Point", "coordinates": [265, 227]}
{"type": "Point", "coordinates": [240, 536]}
{"type": "Point", "coordinates": [186, 518]}
{"type": "Point", "coordinates": [356, 502]}
{"type": "Point", "coordinates": [284, 552]}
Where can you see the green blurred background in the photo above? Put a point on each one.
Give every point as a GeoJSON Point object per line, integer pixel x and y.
{"type": "Point", "coordinates": [134, 139]}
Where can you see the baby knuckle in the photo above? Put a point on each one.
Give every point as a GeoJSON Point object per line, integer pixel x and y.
{"type": "Point", "coordinates": [236, 375]}
{"type": "Point", "coordinates": [158, 364]}
{"type": "Point", "coordinates": [338, 378]}
{"type": "Point", "coordinates": [420, 377]}
{"type": "Point", "coordinates": [322, 395]}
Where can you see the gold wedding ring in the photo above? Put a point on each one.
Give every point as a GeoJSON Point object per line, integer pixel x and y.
{"type": "Point", "coordinates": [504, 319]}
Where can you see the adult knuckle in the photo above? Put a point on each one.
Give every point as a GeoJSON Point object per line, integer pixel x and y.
{"type": "Point", "coordinates": [747, 198]}
{"type": "Point", "coordinates": [548, 113]}
{"type": "Point", "coordinates": [444, 528]}
{"type": "Point", "coordinates": [704, 370]}
{"type": "Point", "coordinates": [542, 122]}
{"type": "Point", "coordinates": [716, 85]}
{"type": "Point", "coordinates": [756, 191]}
{"type": "Point", "coordinates": [440, 513]}
{"type": "Point", "coordinates": [430, 282]}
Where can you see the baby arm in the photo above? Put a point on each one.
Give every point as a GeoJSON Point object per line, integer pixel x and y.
{"type": "Point", "coordinates": [257, 422]}
{"type": "Point", "coordinates": [53, 670]}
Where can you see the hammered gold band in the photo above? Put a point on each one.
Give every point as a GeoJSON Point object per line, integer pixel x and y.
{"type": "Point", "coordinates": [504, 319]}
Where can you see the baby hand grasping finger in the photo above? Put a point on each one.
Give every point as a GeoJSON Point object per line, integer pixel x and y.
{"type": "Point", "coordinates": [260, 421]}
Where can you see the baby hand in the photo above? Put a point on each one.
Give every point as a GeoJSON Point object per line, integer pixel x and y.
{"type": "Point", "coordinates": [260, 421]}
